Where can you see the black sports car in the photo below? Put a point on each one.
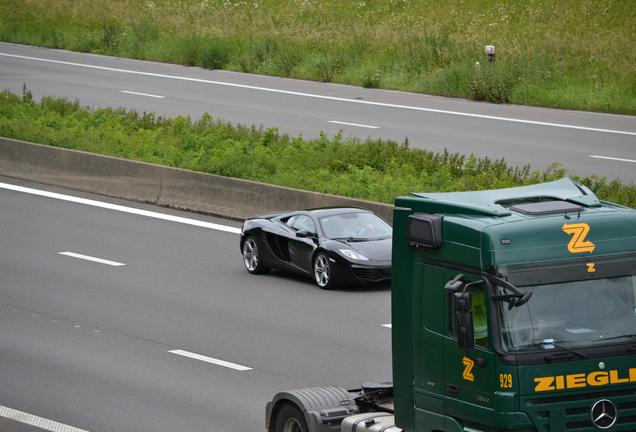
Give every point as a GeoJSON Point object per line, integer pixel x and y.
{"type": "Point", "coordinates": [334, 246]}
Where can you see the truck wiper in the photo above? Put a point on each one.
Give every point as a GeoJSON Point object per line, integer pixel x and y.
{"type": "Point", "coordinates": [561, 347]}
{"type": "Point", "coordinates": [515, 299]}
{"type": "Point", "coordinates": [628, 335]}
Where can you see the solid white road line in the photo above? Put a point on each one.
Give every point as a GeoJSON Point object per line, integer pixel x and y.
{"type": "Point", "coordinates": [207, 359]}
{"type": "Point", "coordinates": [143, 94]}
{"type": "Point", "coordinates": [39, 422]}
{"type": "Point", "coordinates": [90, 258]}
{"type": "Point", "coordinates": [316, 96]}
{"type": "Point", "coordinates": [354, 124]}
{"type": "Point", "coordinates": [121, 208]}
{"type": "Point", "coordinates": [613, 158]}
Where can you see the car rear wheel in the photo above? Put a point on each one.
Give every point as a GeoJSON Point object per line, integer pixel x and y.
{"type": "Point", "coordinates": [323, 272]}
{"type": "Point", "coordinates": [252, 256]}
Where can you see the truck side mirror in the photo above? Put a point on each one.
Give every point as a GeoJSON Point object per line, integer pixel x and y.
{"type": "Point", "coordinates": [464, 320]}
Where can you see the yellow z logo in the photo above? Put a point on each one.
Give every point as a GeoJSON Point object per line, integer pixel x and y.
{"type": "Point", "coordinates": [468, 370]}
{"type": "Point", "coordinates": [578, 243]}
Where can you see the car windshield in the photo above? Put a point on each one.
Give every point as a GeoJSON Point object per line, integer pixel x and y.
{"type": "Point", "coordinates": [571, 314]}
{"type": "Point", "coordinates": [355, 226]}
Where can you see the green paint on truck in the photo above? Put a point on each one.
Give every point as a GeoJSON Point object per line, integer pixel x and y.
{"type": "Point", "coordinates": [512, 310]}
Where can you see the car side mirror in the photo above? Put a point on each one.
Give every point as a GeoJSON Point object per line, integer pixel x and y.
{"type": "Point", "coordinates": [305, 234]}
{"type": "Point", "coordinates": [464, 320]}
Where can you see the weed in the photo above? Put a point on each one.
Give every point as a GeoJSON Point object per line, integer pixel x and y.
{"type": "Point", "coordinates": [372, 169]}
{"type": "Point", "coordinates": [566, 54]}
{"type": "Point", "coordinates": [112, 35]}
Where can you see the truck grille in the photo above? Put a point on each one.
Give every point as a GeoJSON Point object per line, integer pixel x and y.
{"type": "Point", "coordinates": [573, 412]}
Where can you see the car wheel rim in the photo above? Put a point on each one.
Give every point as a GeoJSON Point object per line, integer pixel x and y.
{"type": "Point", "coordinates": [291, 425]}
{"type": "Point", "coordinates": [321, 270]}
{"type": "Point", "coordinates": [250, 254]}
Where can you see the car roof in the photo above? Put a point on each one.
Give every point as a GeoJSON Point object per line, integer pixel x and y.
{"type": "Point", "coordinates": [330, 211]}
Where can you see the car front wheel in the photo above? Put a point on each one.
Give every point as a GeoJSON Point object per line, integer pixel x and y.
{"type": "Point", "coordinates": [252, 256]}
{"type": "Point", "coordinates": [323, 272]}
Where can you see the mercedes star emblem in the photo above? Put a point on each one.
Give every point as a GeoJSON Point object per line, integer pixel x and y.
{"type": "Point", "coordinates": [604, 414]}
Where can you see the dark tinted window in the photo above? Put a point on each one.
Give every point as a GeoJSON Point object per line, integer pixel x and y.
{"type": "Point", "coordinates": [301, 223]}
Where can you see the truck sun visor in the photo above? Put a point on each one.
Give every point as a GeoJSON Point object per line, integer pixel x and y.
{"type": "Point", "coordinates": [425, 230]}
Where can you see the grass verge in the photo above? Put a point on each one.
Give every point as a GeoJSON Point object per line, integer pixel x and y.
{"type": "Point", "coordinates": [373, 169]}
{"type": "Point", "coordinates": [575, 54]}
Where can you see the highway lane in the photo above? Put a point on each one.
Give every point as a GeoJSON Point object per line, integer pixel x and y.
{"type": "Point", "coordinates": [522, 135]}
{"type": "Point", "coordinates": [88, 344]}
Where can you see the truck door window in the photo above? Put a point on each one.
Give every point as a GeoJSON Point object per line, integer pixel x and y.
{"type": "Point", "coordinates": [480, 318]}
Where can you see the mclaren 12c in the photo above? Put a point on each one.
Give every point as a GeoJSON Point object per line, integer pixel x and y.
{"type": "Point", "coordinates": [333, 246]}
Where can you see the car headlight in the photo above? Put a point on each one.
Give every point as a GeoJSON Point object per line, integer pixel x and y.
{"type": "Point", "coordinates": [353, 255]}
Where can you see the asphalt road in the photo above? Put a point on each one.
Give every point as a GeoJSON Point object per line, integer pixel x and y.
{"type": "Point", "coordinates": [88, 344]}
{"type": "Point", "coordinates": [584, 143]}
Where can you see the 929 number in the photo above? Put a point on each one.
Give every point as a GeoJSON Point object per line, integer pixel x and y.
{"type": "Point", "coordinates": [505, 381]}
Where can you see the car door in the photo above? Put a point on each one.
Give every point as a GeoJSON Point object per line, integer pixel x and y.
{"type": "Point", "coordinates": [301, 248]}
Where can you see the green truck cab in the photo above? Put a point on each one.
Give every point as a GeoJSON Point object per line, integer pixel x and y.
{"type": "Point", "coordinates": [512, 309]}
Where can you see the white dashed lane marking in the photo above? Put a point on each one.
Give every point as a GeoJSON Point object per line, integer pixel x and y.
{"type": "Point", "coordinates": [39, 422]}
{"type": "Point", "coordinates": [143, 94]}
{"type": "Point", "coordinates": [93, 259]}
{"type": "Point", "coordinates": [211, 360]}
{"type": "Point", "coordinates": [613, 158]}
{"type": "Point", "coordinates": [354, 124]}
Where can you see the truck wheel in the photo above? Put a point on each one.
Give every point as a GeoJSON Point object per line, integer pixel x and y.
{"type": "Point", "coordinates": [252, 256]}
{"type": "Point", "coordinates": [290, 419]}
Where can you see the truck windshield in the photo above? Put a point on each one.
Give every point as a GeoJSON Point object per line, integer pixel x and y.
{"type": "Point", "coordinates": [571, 314]}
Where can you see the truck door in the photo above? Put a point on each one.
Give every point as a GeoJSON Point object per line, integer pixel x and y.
{"type": "Point", "coordinates": [470, 376]}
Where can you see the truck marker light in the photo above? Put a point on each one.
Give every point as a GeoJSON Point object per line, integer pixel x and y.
{"type": "Point", "coordinates": [591, 268]}
{"type": "Point", "coordinates": [580, 380]}
{"type": "Point", "coordinates": [578, 243]}
{"type": "Point", "coordinates": [468, 370]}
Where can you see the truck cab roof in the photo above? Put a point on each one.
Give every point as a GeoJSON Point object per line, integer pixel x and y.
{"type": "Point", "coordinates": [526, 224]}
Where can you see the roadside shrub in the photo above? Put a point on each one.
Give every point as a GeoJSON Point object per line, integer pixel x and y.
{"type": "Point", "coordinates": [215, 54]}
{"type": "Point", "coordinates": [371, 169]}
{"type": "Point", "coordinates": [327, 66]}
{"type": "Point", "coordinates": [372, 79]}
{"type": "Point", "coordinates": [491, 84]}
{"type": "Point", "coordinates": [571, 54]}
{"type": "Point", "coordinates": [112, 36]}
{"type": "Point", "coordinates": [285, 60]}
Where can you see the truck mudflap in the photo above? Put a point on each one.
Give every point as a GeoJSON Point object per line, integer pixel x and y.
{"type": "Point", "coordinates": [321, 409]}
{"type": "Point", "coordinates": [370, 422]}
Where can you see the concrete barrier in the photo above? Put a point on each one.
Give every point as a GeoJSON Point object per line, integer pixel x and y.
{"type": "Point", "coordinates": [156, 184]}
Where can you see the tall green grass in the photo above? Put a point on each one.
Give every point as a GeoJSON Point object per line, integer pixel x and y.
{"type": "Point", "coordinates": [372, 169]}
{"type": "Point", "coordinates": [575, 54]}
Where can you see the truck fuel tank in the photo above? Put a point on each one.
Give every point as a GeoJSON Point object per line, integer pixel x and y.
{"type": "Point", "coordinates": [370, 422]}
